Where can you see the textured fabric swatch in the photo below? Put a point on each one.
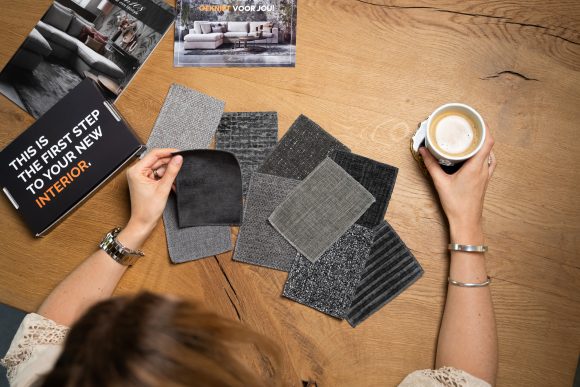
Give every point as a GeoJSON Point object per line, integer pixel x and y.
{"type": "Point", "coordinates": [209, 189]}
{"type": "Point", "coordinates": [188, 120]}
{"type": "Point", "coordinates": [301, 149]}
{"type": "Point", "coordinates": [389, 270]}
{"type": "Point", "coordinates": [258, 242]}
{"type": "Point", "coordinates": [329, 284]}
{"type": "Point", "coordinates": [249, 136]}
{"type": "Point", "coordinates": [377, 178]}
{"type": "Point", "coordinates": [320, 209]}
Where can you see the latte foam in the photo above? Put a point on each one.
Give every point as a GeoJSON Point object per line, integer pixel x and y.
{"type": "Point", "coordinates": [454, 134]}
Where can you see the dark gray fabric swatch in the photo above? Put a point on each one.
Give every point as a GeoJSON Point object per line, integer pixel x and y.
{"type": "Point", "coordinates": [188, 120]}
{"type": "Point", "coordinates": [258, 242]}
{"type": "Point", "coordinates": [250, 136]}
{"type": "Point", "coordinates": [329, 284]}
{"type": "Point", "coordinates": [390, 269]}
{"type": "Point", "coordinates": [301, 149]}
{"type": "Point", "coordinates": [209, 189]}
{"type": "Point", "coordinates": [378, 178]}
{"type": "Point", "coordinates": [320, 209]}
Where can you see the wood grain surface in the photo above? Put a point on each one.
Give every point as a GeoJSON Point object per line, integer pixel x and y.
{"type": "Point", "coordinates": [368, 72]}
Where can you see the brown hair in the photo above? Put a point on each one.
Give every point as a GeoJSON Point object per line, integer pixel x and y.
{"type": "Point", "coordinates": [150, 340]}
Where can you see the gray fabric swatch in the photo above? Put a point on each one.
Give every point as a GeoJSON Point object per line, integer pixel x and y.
{"type": "Point", "coordinates": [301, 149]}
{"type": "Point", "coordinates": [188, 120]}
{"type": "Point", "coordinates": [258, 242]}
{"type": "Point", "coordinates": [320, 209]}
{"type": "Point", "coordinates": [250, 136]}
{"type": "Point", "coordinates": [329, 284]}
{"type": "Point", "coordinates": [389, 270]}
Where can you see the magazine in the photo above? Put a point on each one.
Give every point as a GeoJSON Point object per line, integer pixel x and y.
{"type": "Point", "coordinates": [235, 33]}
{"type": "Point", "coordinates": [105, 40]}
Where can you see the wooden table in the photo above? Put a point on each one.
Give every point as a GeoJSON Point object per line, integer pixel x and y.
{"type": "Point", "coordinates": [369, 74]}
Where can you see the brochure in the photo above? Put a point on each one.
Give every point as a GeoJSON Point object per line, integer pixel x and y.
{"type": "Point", "coordinates": [105, 40]}
{"type": "Point", "coordinates": [229, 33]}
{"type": "Point", "coordinates": [67, 154]}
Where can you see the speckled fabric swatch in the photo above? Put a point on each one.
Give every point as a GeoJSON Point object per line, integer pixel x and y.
{"type": "Point", "coordinates": [320, 209]}
{"type": "Point", "coordinates": [301, 149]}
{"type": "Point", "coordinates": [329, 284]}
{"type": "Point", "coordinates": [258, 242]}
{"type": "Point", "coordinates": [188, 120]}
{"type": "Point", "coordinates": [378, 178]}
{"type": "Point", "coordinates": [250, 136]}
{"type": "Point", "coordinates": [389, 269]}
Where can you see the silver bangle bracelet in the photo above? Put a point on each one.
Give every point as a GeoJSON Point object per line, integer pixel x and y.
{"type": "Point", "coordinates": [467, 248]}
{"type": "Point", "coordinates": [469, 285]}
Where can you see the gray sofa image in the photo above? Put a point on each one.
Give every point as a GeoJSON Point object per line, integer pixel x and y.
{"type": "Point", "coordinates": [207, 35]}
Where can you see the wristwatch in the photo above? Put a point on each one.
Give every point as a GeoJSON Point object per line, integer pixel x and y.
{"type": "Point", "coordinates": [117, 251]}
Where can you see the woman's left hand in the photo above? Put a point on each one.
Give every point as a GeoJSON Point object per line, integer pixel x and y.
{"type": "Point", "coordinates": [148, 193]}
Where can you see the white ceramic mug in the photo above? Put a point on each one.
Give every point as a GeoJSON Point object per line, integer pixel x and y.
{"type": "Point", "coordinates": [422, 134]}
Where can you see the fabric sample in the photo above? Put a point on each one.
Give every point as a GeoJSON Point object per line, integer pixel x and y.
{"type": "Point", "coordinates": [378, 178]}
{"type": "Point", "coordinates": [188, 120]}
{"type": "Point", "coordinates": [301, 149]}
{"type": "Point", "coordinates": [249, 136]}
{"type": "Point", "coordinates": [328, 285]}
{"type": "Point", "coordinates": [320, 209]}
{"type": "Point", "coordinates": [390, 269]}
{"type": "Point", "coordinates": [209, 189]}
{"type": "Point", "coordinates": [258, 242]}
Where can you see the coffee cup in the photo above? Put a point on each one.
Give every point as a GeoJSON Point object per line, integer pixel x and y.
{"type": "Point", "coordinates": [453, 133]}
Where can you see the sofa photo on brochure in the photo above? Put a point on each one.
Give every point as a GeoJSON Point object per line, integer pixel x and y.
{"type": "Point", "coordinates": [77, 39]}
{"type": "Point", "coordinates": [245, 33]}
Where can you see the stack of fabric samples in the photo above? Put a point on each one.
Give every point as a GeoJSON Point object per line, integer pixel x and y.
{"type": "Point", "coordinates": [312, 208]}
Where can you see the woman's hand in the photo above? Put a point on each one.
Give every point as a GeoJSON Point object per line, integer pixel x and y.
{"type": "Point", "coordinates": [148, 194]}
{"type": "Point", "coordinates": [462, 194]}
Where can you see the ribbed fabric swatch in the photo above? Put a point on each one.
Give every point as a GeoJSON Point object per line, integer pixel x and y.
{"type": "Point", "coordinates": [389, 269]}
{"type": "Point", "coordinates": [320, 209]}
{"type": "Point", "coordinates": [188, 120]}
{"type": "Point", "coordinates": [378, 178]}
{"type": "Point", "coordinates": [301, 149]}
{"type": "Point", "coordinates": [329, 284]}
{"type": "Point", "coordinates": [258, 242]}
{"type": "Point", "coordinates": [250, 136]}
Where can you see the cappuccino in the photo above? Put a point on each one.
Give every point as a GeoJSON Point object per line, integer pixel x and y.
{"type": "Point", "coordinates": [454, 133]}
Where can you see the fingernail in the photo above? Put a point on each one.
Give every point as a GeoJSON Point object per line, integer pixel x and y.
{"type": "Point", "coordinates": [177, 160]}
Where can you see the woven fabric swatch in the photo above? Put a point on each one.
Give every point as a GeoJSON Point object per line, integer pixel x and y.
{"type": "Point", "coordinates": [390, 269]}
{"type": "Point", "coordinates": [250, 136]}
{"type": "Point", "coordinates": [258, 242]}
{"type": "Point", "coordinates": [301, 149]}
{"type": "Point", "coordinates": [320, 209]}
{"type": "Point", "coordinates": [378, 178]}
{"type": "Point", "coordinates": [188, 120]}
{"type": "Point", "coordinates": [329, 284]}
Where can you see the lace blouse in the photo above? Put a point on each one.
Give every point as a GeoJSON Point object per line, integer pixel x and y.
{"type": "Point", "coordinates": [38, 344]}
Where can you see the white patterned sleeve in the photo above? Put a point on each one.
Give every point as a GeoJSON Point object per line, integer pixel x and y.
{"type": "Point", "coordinates": [35, 348]}
{"type": "Point", "coordinates": [445, 376]}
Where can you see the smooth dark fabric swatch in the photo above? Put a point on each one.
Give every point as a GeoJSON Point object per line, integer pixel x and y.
{"type": "Point", "coordinates": [389, 269]}
{"type": "Point", "coordinates": [301, 149]}
{"type": "Point", "coordinates": [320, 209]}
{"type": "Point", "coordinates": [329, 284]}
{"type": "Point", "coordinates": [209, 189]}
{"type": "Point", "coordinates": [250, 136]}
{"type": "Point", "coordinates": [258, 242]}
{"type": "Point", "coordinates": [378, 178]}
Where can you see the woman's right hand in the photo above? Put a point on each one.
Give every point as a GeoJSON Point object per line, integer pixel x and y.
{"type": "Point", "coordinates": [462, 194]}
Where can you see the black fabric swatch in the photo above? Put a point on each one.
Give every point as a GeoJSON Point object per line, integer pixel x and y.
{"type": "Point", "coordinates": [378, 178]}
{"type": "Point", "coordinates": [389, 270]}
{"type": "Point", "coordinates": [209, 189]}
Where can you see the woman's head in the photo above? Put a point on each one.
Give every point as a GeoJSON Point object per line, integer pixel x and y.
{"type": "Point", "coordinates": [149, 340]}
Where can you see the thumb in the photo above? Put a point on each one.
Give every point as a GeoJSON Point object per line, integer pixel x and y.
{"type": "Point", "coordinates": [432, 165]}
{"type": "Point", "coordinates": [171, 172]}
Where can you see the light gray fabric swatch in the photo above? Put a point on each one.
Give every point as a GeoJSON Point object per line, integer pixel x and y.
{"type": "Point", "coordinates": [329, 284]}
{"type": "Point", "coordinates": [258, 242]}
{"type": "Point", "coordinates": [188, 120]}
{"type": "Point", "coordinates": [320, 209]}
